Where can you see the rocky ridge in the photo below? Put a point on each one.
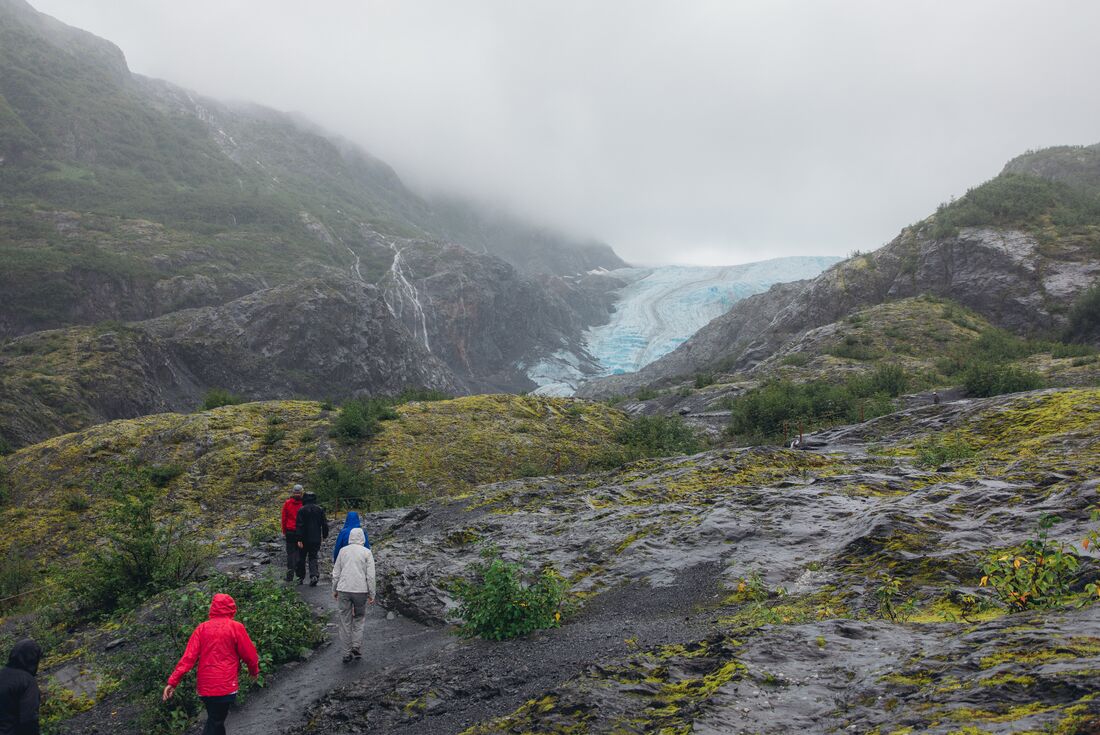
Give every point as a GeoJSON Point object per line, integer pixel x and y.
{"type": "Point", "coordinates": [819, 529]}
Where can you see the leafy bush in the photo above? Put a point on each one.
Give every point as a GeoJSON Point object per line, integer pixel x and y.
{"type": "Point", "coordinates": [162, 474]}
{"type": "Point", "coordinates": [147, 549]}
{"type": "Point", "coordinates": [359, 419]}
{"type": "Point", "coordinates": [796, 359]}
{"type": "Point", "coordinates": [702, 380]}
{"type": "Point", "coordinates": [1038, 574]}
{"type": "Point", "coordinates": [935, 450]}
{"type": "Point", "coordinates": [1084, 317]}
{"type": "Point", "coordinates": [337, 483]}
{"type": "Point", "coordinates": [646, 394]}
{"type": "Point", "coordinates": [505, 602]}
{"type": "Point", "coordinates": [982, 381]}
{"type": "Point", "coordinates": [761, 414]}
{"type": "Point", "coordinates": [657, 436]}
{"type": "Point", "coordinates": [853, 348]}
{"type": "Point", "coordinates": [893, 605]}
{"type": "Point", "coordinates": [218, 397]}
{"type": "Point", "coordinates": [273, 436]}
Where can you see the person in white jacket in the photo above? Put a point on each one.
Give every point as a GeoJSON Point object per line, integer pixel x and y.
{"type": "Point", "coordinates": [353, 587]}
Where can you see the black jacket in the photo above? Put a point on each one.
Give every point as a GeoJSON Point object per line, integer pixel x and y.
{"type": "Point", "coordinates": [312, 526]}
{"type": "Point", "coordinates": [19, 691]}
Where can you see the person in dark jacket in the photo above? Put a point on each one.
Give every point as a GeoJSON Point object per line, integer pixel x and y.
{"type": "Point", "coordinates": [19, 695]}
{"type": "Point", "coordinates": [312, 528]}
{"type": "Point", "coordinates": [289, 524]}
{"type": "Point", "coordinates": [218, 646]}
{"type": "Point", "coordinates": [350, 522]}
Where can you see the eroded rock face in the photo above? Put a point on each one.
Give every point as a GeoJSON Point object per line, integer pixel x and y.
{"type": "Point", "coordinates": [1004, 275]}
{"type": "Point", "coordinates": [673, 642]}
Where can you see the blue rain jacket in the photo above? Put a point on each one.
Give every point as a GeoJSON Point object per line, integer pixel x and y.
{"type": "Point", "coordinates": [352, 521]}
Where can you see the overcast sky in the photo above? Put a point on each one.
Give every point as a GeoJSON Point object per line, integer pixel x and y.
{"type": "Point", "coordinates": [682, 131]}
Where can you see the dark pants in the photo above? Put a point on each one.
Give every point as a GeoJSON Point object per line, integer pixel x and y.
{"type": "Point", "coordinates": [217, 709]}
{"type": "Point", "coordinates": [292, 553]}
{"type": "Point", "coordinates": [310, 553]}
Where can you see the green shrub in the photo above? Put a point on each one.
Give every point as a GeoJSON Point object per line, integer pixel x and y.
{"type": "Point", "coordinates": [854, 348]}
{"type": "Point", "coordinates": [702, 380]}
{"type": "Point", "coordinates": [646, 394]}
{"type": "Point", "coordinates": [796, 359]}
{"type": "Point", "coordinates": [893, 605]}
{"type": "Point", "coordinates": [359, 419]}
{"type": "Point", "coordinates": [5, 447]}
{"type": "Point", "coordinates": [1038, 574]}
{"type": "Point", "coordinates": [337, 483]}
{"type": "Point", "coordinates": [761, 414]}
{"type": "Point", "coordinates": [1084, 318]}
{"type": "Point", "coordinates": [657, 436]}
{"type": "Point", "coordinates": [273, 436]}
{"type": "Point", "coordinates": [218, 397]}
{"type": "Point", "coordinates": [147, 549]}
{"type": "Point", "coordinates": [936, 450]}
{"type": "Point", "coordinates": [504, 602]}
{"type": "Point", "coordinates": [75, 500]}
{"type": "Point", "coordinates": [162, 475]}
{"type": "Point", "coordinates": [984, 380]}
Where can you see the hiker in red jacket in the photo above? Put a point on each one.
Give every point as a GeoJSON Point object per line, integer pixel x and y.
{"type": "Point", "coordinates": [291, 507]}
{"type": "Point", "coordinates": [219, 645]}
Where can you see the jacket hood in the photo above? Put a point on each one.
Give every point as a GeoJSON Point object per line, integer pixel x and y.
{"type": "Point", "coordinates": [25, 655]}
{"type": "Point", "coordinates": [223, 606]}
{"type": "Point", "coordinates": [357, 537]}
{"type": "Point", "coordinates": [352, 520]}
{"type": "Point", "coordinates": [309, 498]}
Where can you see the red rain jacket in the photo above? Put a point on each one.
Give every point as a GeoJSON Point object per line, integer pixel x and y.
{"type": "Point", "coordinates": [219, 645]}
{"type": "Point", "coordinates": [290, 513]}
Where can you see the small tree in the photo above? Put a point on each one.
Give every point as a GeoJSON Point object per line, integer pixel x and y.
{"type": "Point", "coordinates": [504, 602]}
{"type": "Point", "coordinates": [145, 550]}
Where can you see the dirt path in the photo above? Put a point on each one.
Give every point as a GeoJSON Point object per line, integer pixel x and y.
{"type": "Point", "coordinates": [386, 643]}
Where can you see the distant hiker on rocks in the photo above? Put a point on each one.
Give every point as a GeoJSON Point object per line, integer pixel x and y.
{"type": "Point", "coordinates": [218, 645]}
{"type": "Point", "coordinates": [290, 531]}
{"type": "Point", "coordinates": [19, 695]}
{"type": "Point", "coordinates": [350, 522]}
{"type": "Point", "coordinates": [353, 587]}
{"type": "Point", "coordinates": [312, 528]}
{"type": "Point", "coordinates": [935, 398]}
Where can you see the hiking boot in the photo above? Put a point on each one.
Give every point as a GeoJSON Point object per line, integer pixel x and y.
{"type": "Point", "coordinates": [347, 658]}
{"type": "Point", "coordinates": [301, 579]}
{"type": "Point", "coordinates": [313, 581]}
{"type": "Point", "coordinates": [356, 654]}
{"type": "Point", "coordinates": [289, 575]}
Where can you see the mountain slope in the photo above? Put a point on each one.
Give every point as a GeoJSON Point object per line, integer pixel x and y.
{"type": "Point", "coordinates": [1020, 250]}
{"type": "Point", "coordinates": [266, 193]}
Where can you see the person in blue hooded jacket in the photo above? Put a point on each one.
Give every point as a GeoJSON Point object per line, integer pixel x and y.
{"type": "Point", "coordinates": [352, 521]}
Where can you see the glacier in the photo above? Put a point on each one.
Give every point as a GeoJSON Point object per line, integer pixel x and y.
{"type": "Point", "coordinates": [659, 309]}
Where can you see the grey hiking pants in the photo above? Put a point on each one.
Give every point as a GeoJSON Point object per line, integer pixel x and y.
{"type": "Point", "coordinates": [352, 609]}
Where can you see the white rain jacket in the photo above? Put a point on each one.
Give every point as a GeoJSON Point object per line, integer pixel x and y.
{"type": "Point", "coordinates": [354, 569]}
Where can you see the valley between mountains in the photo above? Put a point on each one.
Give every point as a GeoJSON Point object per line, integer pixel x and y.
{"type": "Point", "coordinates": [812, 495]}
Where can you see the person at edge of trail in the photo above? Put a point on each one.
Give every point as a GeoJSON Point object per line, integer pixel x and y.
{"type": "Point", "coordinates": [218, 645]}
{"type": "Point", "coordinates": [350, 522]}
{"type": "Point", "coordinates": [290, 531]}
{"type": "Point", "coordinates": [353, 588]}
{"type": "Point", "coordinates": [19, 695]}
{"type": "Point", "coordinates": [312, 528]}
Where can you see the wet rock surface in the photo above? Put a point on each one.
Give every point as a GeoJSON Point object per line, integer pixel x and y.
{"type": "Point", "coordinates": [669, 639]}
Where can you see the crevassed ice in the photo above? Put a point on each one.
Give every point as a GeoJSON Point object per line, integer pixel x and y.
{"type": "Point", "coordinates": [659, 310]}
{"type": "Point", "coordinates": [662, 307]}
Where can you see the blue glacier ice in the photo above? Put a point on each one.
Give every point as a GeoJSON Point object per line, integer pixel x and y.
{"type": "Point", "coordinates": [658, 310]}
{"type": "Point", "coordinates": [662, 307]}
